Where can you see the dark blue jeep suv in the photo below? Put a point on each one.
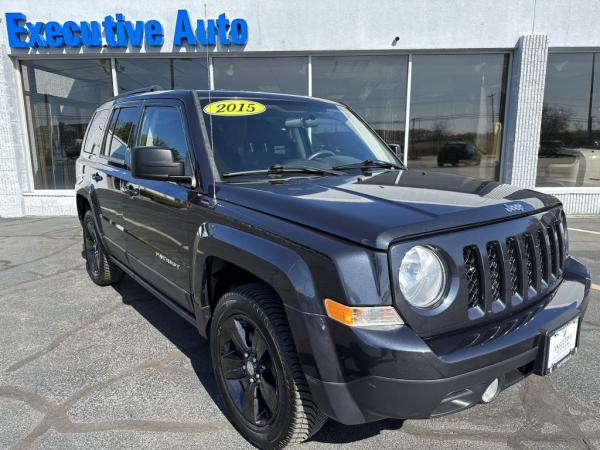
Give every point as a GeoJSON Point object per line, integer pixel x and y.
{"type": "Point", "coordinates": [331, 280]}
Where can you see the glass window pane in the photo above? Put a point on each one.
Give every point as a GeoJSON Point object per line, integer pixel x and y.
{"type": "Point", "coordinates": [281, 75]}
{"type": "Point", "coordinates": [190, 73]}
{"type": "Point", "coordinates": [570, 136]}
{"type": "Point", "coordinates": [95, 131]}
{"type": "Point", "coordinates": [456, 113]}
{"type": "Point", "coordinates": [374, 86]}
{"type": "Point", "coordinates": [60, 99]}
{"type": "Point", "coordinates": [121, 134]}
{"type": "Point", "coordinates": [140, 73]}
{"type": "Point", "coordinates": [162, 127]}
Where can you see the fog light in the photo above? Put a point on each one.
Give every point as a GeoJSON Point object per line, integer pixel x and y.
{"type": "Point", "coordinates": [491, 391]}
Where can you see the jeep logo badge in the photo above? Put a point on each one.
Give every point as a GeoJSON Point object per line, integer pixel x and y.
{"type": "Point", "coordinates": [514, 207]}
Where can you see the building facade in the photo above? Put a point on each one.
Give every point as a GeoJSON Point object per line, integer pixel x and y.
{"type": "Point", "coordinates": [508, 91]}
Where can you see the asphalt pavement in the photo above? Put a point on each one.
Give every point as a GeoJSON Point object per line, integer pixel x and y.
{"type": "Point", "coordinates": [88, 367]}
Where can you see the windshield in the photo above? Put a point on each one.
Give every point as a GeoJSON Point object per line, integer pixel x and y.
{"type": "Point", "coordinates": [257, 134]}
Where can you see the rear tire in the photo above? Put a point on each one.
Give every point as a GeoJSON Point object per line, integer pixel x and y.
{"type": "Point", "coordinates": [250, 339]}
{"type": "Point", "coordinates": [100, 269]}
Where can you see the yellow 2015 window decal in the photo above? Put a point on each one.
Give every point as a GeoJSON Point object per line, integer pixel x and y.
{"type": "Point", "coordinates": [234, 108]}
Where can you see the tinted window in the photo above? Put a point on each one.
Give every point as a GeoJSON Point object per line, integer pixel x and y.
{"type": "Point", "coordinates": [374, 86]}
{"type": "Point", "coordinates": [121, 133]}
{"type": "Point", "coordinates": [61, 96]}
{"type": "Point", "coordinates": [569, 153]}
{"type": "Point", "coordinates": [175, 73]}
{"type": "Point", "coordinates": [283, 75]}
{"type": "Point", "coordinates": [456, 113]}
{"type": "Point", "coordinates": [93, 138]}
{"type": "Point", "coordinates": [162, 126]}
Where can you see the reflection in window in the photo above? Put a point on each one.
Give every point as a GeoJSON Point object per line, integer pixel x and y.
{"type": "Point", "coordinates": [60, 99]}
{"type": "Point", "coordinates": [177, 73]}
{"type": "Point", "coordinates": [162, 127]}
{"type": "Point", "coordinates": [457, 109]}
{"type": "Point", "coordinates": [281, 75]}
{"type": "Point", "coordinates": [119, 135]}
{"type": "Point", "coordinates": [374, 86]}
{"type": "Point", "coordinates": [570, 137]}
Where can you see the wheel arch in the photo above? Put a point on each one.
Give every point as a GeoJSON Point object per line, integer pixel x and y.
{"type": "Point", "coordinates": [225, 257]}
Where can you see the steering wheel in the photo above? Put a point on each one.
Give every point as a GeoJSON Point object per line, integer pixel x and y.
{"type": "Point", "coordinates": [320, 153]}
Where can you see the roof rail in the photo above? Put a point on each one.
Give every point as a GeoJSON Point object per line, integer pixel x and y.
{"type": "Point", "coordinates": [152, 88]}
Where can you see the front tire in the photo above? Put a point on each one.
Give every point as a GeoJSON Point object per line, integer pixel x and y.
{"type": "Point", "coordinates": [100, 269]}
{"type": "Point", "coordinates": [257, 369]}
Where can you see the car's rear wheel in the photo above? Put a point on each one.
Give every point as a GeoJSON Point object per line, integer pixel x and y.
{"type": "Point", "coordinates": [257, 369]}
{"type": "Point", "coordinates": [100, 269]}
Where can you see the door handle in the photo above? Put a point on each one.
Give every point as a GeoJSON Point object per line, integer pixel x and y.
{"type": "Point", "coordinates": [131, 190]}
{"type": "Point", "coordinates": [97, 177]}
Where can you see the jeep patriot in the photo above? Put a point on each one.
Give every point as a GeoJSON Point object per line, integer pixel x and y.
{"type": "Point", "coordinates": [330, 280]}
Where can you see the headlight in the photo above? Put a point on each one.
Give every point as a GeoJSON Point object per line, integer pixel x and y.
{"type": "Point", "coordinates": [422, 277]}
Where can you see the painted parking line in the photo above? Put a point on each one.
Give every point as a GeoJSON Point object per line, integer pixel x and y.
{"type": "Point", "coordinates": [585, 231]}
{"type": "Point", "coordinates": [596, 287]}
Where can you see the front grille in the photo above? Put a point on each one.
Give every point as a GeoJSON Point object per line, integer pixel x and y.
{"type": "Point", "coordinates": [473, 275]}
{"type": "Point", "coordinates": [495, 262]}
{"type": "Point", "coordinates": [541, 254]}
{"type": "Point", "coordinates": [514, 265]}
{"type": "Point", "coordinates": [554, 256]}
{"type": "Point", "coordinates": [520, 267]}
{"type": "Point", "coordinates": [529, 261]}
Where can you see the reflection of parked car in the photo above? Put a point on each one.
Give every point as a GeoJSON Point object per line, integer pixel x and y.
{"type": "Point", "coordinates": [455, 152]}
{"type": "Point", "coordinates": [550, 148]}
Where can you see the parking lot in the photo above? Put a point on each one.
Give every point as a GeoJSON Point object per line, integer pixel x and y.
{"type": "Point", "coordinates": [89, 367]}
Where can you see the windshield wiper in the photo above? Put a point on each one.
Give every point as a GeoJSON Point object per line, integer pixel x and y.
{"type": "Point", "coordinates": [368, 164]}
{"type": "Point", "coordinates": [278, 169]}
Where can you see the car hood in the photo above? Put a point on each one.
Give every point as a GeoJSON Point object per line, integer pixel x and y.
{"type": "Point", "coordinates": [387, 206]}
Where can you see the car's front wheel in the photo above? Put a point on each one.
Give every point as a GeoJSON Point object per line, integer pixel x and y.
{"type": "Point", "coordinates": [257, 369]}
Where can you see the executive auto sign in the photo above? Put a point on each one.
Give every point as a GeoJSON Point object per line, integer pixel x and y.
{"type": "Point", "coordinates": [117, 32]}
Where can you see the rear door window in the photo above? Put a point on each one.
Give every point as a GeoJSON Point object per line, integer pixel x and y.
{"type": "Point", "coordinates": [95, 131]}
{"type": "Point", "coordinates": [121, 133]}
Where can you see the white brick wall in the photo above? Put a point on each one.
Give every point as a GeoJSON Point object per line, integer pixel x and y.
{"type": "Point", "coordinates": [11, 198]}
{"type": "Point", "coordinates": [524, 118]}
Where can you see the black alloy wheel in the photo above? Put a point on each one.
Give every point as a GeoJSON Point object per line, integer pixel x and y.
{"type": "Point", "coordinates": [258, 372]}
{"type": "Point", "coordinates": [248, 369]}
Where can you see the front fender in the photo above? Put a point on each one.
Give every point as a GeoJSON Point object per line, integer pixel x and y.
{"type": "Point", "coordinates": [279, 266]}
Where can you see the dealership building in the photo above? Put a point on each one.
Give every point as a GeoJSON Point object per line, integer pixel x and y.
{"type": "Point", "coordinates": [507, 91]}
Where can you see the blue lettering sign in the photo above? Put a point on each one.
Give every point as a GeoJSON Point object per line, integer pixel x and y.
{"type": "Point", "coordinates": [116, 32]}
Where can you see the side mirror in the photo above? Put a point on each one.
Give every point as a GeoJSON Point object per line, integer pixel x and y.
{"type": "Point", "coordinates": [157, 163]}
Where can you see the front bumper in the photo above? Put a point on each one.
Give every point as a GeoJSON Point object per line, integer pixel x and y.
{"type": "Point", "coordinates": [358, 375]}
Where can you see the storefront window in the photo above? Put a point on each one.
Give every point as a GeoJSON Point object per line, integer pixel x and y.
{"type": "Point", "coordinates": [570, 137]}
{"type": "Point", "coordinates": [281, 75]}
{"type": "Point", "coordinates": [374, 86]}
{"type": "Point", "coordinates": [456, 113]}
{"type": "Point", "coordinates": [60, 99]}
{"type": "Point", "coordinates": [177, 73]}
